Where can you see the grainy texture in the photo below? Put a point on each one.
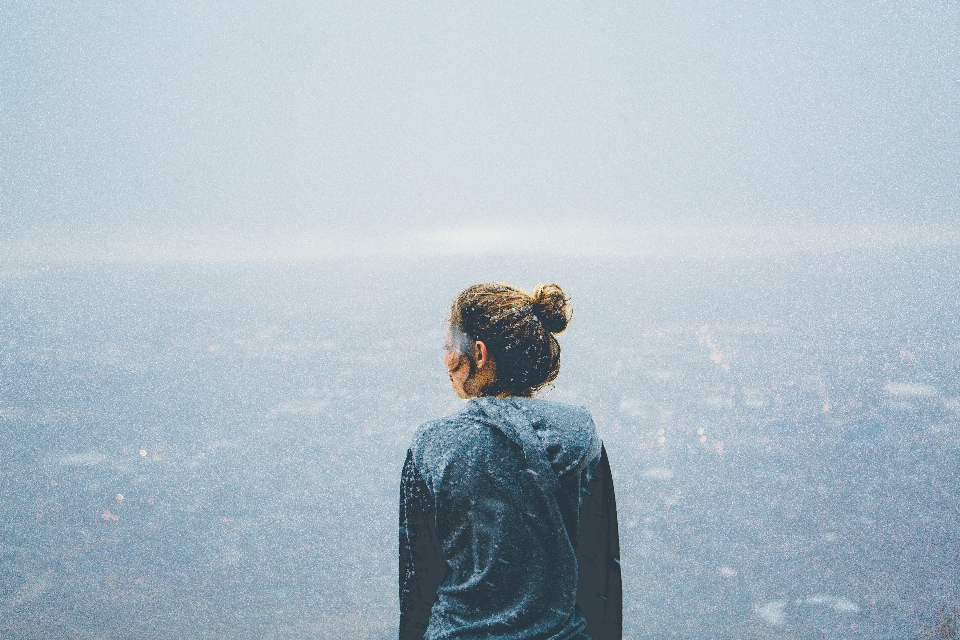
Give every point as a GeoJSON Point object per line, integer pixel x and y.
{"type": "Point", "coordinates": [503, 480]}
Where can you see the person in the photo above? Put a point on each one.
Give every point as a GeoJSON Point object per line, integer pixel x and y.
{"type": "Point", "coordinates": [508, 521]}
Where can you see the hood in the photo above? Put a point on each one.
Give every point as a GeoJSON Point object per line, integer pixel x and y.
{"type": "Point", "coordinates": [563, 434]}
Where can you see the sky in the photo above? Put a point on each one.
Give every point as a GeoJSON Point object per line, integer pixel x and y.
{"type": "Point", "coordinates": [171, 124]}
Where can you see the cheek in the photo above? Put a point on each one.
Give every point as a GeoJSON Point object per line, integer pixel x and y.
{"type": "Point", "coordinates": [450, 361]}
{"type": "Point", "coordinates": [456, 367]}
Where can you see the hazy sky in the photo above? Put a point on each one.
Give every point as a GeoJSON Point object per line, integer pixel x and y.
{"type": "Point", "coordinates": [202, 117]}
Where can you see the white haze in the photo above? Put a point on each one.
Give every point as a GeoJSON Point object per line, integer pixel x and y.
{"type": "Point", "coordinates": [570, 240]}
{"type": "Point", "coordinates": [372, 119]}
{"type": "Point", "coordinates": [230, 233]}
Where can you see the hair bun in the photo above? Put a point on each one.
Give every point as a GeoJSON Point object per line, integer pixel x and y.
{"type": "Point", "coordinates": [552, 306]}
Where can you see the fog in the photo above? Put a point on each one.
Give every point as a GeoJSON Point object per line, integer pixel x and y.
{"type": "Point", "coordinates": [230, 235]}
{"type": "Point", "coordinates": [370, 118]}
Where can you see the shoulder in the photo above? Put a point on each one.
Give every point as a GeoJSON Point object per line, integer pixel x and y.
{"type": "Point", "coordinates": [564, 412]}
{"type": "Point", "coordinates": [574, 421]}
{"type": "Point", "coordinates": [569, 433]}
{"type": "Point", "coordinates": [451, 429]}
{"type": "Point", "coordinates": [444, 432]}
{"type": "Point", "coordinates": [463, 438]}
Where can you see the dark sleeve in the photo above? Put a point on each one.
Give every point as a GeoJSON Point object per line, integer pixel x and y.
{"type": "Point", "coordinates": [421, 563]}
{"type": "Point", "coordinates": [599, 591]}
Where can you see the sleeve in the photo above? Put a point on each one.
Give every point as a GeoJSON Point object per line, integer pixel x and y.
{"type": "Point", "coordinates": [599, 589]}
{"type": "Point", "coordinates": [421, 562]}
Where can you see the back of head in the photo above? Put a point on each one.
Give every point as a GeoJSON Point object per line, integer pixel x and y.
{"type": "Point", "coordinates": [518, 330]}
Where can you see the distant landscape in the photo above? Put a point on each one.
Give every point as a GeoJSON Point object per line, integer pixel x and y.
{"type": "Point", "coordinates": [192, 451]}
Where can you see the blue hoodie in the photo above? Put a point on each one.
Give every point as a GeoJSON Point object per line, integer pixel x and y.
{"type": "Point", "coordinates": [490, 526]}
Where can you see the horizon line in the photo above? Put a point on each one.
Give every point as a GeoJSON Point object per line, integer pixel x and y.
{"type": "Point", "coordinates": [683, 241]}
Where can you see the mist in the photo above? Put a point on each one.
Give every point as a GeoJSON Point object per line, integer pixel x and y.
{"type": "Point", "coordinates": [368, 119]}
{"type": "Point", "coordinates": [230, 235]}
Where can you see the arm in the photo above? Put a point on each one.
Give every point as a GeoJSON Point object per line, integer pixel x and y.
{"type": "Point", "coordinates": [599, 591]}
{"type": "Point", "coordinates": [421, 563]}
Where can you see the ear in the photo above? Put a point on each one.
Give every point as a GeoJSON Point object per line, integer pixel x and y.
{"type": "Point", "coordinates": [480, 354]}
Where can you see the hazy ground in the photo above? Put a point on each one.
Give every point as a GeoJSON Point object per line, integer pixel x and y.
{"type": "Point", "coordinates": [214, 452]}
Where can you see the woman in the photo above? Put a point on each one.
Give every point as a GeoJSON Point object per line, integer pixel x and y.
{"type": "Point", "coordinates": [508, 524]}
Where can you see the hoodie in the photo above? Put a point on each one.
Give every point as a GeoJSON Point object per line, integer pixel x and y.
{"type": "Point", "coordinates": [491, 540]}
